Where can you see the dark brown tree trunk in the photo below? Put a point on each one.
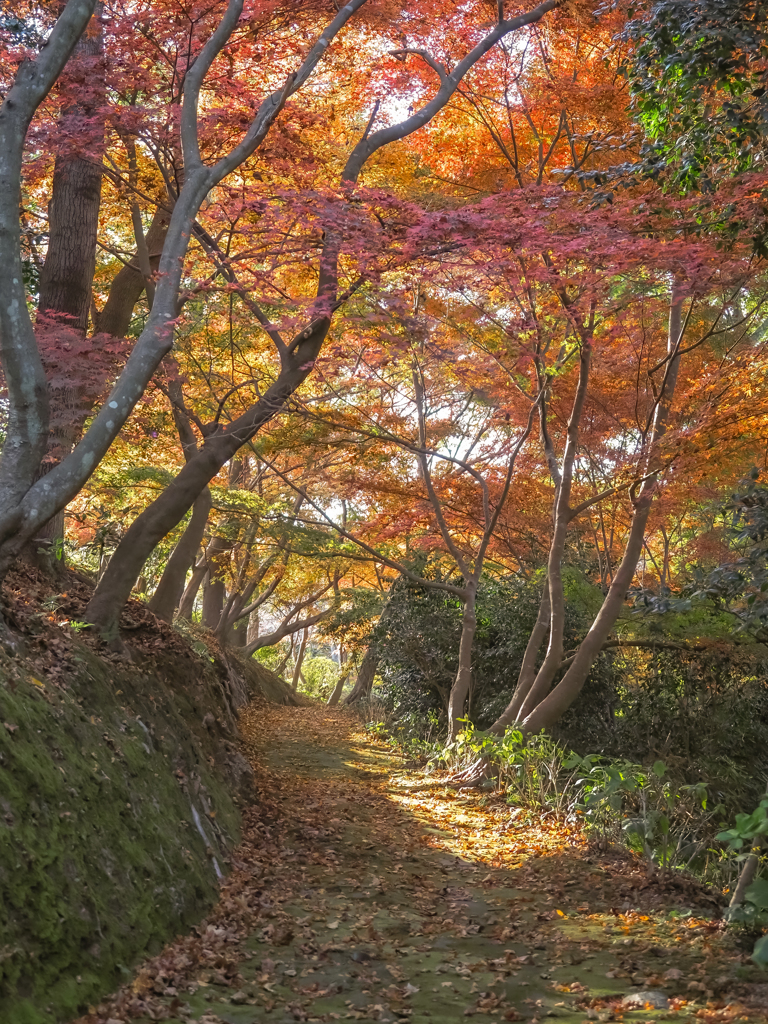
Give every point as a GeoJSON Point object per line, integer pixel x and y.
{"type": "Point", "coordinates": [73, 212]}
{"type": "Point", "coordinates": [70, 262]}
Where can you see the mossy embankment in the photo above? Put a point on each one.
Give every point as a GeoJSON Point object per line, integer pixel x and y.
{"type": "Point", "coordinates": [120, 785]}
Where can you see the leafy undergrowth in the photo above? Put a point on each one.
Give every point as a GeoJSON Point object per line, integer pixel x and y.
{"type": "Point", "coordinates": [365, 891]}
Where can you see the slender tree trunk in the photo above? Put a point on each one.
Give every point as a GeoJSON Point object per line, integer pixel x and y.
{"type": "Point", "coordinates": [188, 598]}
{"type": "Point", "coordinates": [460, 689]}
{"type": "Point", "coordinates": [168, 595]}
{"type": "Point", "coordinates": [370, 663]}
{"type": "Point", "coordinates": [543, 679]}
{"type": "Point", "coordinates": [527, 673]}
{"type": "Point", "coordinates": [747, 875]}
{"type": "Point", "coordinates": [299, 659]}
{"type": "Point", "coordinates": [128, 285]}
{"type": "Point", "coordinates": [549, 709]}
{"type": "Point", "coordinates": [166, 511]}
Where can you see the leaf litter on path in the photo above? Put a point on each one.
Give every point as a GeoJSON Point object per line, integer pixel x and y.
{"type": "Point", "coordinates": [365, 890]}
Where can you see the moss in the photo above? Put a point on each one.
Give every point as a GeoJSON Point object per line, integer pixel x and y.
{"type": "Point", "coordinates": [101, 859]}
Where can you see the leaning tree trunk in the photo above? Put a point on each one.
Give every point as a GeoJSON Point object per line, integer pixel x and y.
{"type": "Point", "coordinates": [170, 590]}
{"type": "Point", "coordinates": [128, 284]}
{"type": "Point", "coordinates": [167, 511]}
{"type": "Point", "coordinates": [553, 705]}
{"type": "Point", "coordinates": [365, 676]}
{"type": "Point", "coordinates": [527, 674]}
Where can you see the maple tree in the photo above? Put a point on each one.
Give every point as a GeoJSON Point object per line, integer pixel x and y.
{"type": "Point", "coordinates": [483, 228]}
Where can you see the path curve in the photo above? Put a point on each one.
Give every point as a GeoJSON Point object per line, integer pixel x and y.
{"type": "Point", "coordinates": [365, 890]}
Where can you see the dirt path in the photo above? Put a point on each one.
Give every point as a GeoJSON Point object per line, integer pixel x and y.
{"type": "Point", "coordinates": [367, 891]}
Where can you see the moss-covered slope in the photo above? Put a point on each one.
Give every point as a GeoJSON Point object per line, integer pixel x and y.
{"type": "Point", "coordinates": [118, 806]}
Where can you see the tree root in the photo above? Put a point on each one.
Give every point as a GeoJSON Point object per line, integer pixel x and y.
{"type": "Point", "coordinates": [474, 775]}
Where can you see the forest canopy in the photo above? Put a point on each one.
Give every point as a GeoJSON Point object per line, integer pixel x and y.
{"type": "Point", "coordinates": [318, 318]}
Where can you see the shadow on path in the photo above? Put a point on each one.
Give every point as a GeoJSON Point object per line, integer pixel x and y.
{"type": "Point", "coordinates": [365, 893]}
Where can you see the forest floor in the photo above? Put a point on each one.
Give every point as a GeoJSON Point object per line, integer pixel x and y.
{"type": "Point", "coordinates": [367, 890]}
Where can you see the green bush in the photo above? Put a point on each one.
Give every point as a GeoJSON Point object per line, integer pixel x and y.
{"type": "Point", "coordinates": [320, 674]}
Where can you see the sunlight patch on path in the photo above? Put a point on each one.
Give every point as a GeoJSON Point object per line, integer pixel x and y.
{"type": "Point", "coordinates": [364, 890]}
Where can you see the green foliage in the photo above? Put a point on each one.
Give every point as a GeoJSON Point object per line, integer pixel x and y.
{"type": "Point", "coordinates": [321, 675]}
{"type": "Point", "coordinates": [748, 827]}
{"type": "Point", "coordinates": [418, 641]}
{"type": "Point", "coordinates": [696, 78]}
{"type": "Point", "coordinates": [760, 952]}
{"type": "Point", "coordinates": [667, 822]}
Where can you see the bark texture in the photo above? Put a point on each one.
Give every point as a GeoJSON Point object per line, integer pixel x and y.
{"type": "Point", "coordinates": [365, 676]}
{"type": "Point", "coordinates": [128, 285]}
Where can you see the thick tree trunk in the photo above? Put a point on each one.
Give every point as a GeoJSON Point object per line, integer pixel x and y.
{"type": "Point", "coordinates": [461, 687]}
{"type": "Point", "coordinates": [214, 594]}
{"type": "Point", "coordinates": [254, 627]}
{"type": "Point", "coordinates": [73, 212]}
{"type": "Point", "coordinates": [168, 595]}
{"type": "Point", "coordinates": [365, 676]}
{"type": "Point", "coordinates": [70, 262]}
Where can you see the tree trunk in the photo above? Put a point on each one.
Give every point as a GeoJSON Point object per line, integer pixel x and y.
{"type": "Point", "coordinates": [73, 212]}
{"type": "Point", "coordinates": [299, 659]}
{"type": "Point", "coordinates": [333, 700]}
{"type": "Point", "coordinates": [214, 594]}
{"type": "Point", "coordinates": [460, 689]}
{"type": "Point", "coordinates": [168, 595]}
{"type": "Point", "coordinates": [70, 262]}
{"type": "Point", "coordinates": [549, 709]}
{"type": "Point", "coordinates": [254, 627]}
{"type": "Point", "coordinates": [527, 673]}
{"type": "Point", "coordinates": [365, 676]}
{"type": "Point", "coordinates": [747, 875]}
{"type": "Point", "coordinates": [128, 285]}
{"type": "Point", "coordinates": [167, 511]}
{"type": "Point", "coordinates": [188, 598]}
